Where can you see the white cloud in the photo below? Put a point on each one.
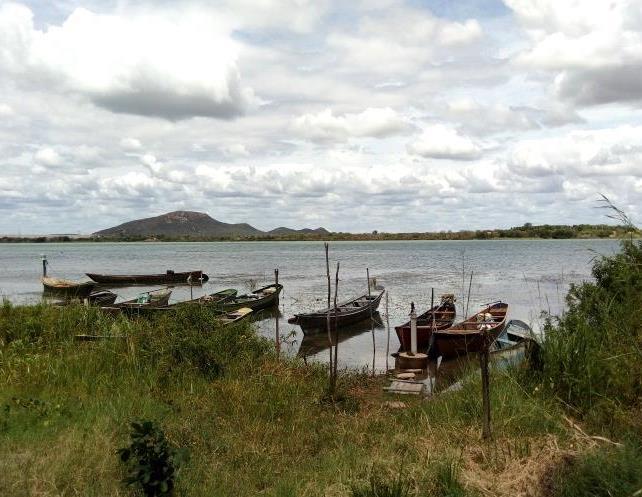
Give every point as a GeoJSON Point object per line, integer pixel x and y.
{"type": "Point", "coordinates": [602, 152]}
{"type": "Point", "coordinates": [324, 126]}
{"type": "Point", "coordinates": [5, 110]}
{"type": "Point", "coordinates": [441, 142]}
{"type": "Point", "coordinates": [596, 47]}
{"type": "Point", "coordinates": [130, 144]}
{"type": "Point", "coordinates": [47, 157]}
{"type": "Point", "coordinates": [155, 63]}
{"type": "Point", "coordinates": [399, 39]}
{"type": "Point", "coordinates": [235, 150]}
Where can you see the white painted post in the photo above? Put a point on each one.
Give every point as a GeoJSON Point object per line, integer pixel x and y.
{"type": "Point", "coordinates": [413, 329]}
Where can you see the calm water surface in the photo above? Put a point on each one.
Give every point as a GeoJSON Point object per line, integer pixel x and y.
{"type": "Point", "coordinates": [531, 275]}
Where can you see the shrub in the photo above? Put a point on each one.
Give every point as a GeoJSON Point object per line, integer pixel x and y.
{"type": "Point", "coordinates": [592, 359]}
{"type": "Point", "coordinates": [152, 461]}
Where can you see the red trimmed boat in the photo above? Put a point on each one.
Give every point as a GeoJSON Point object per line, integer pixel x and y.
{"type": "Point", "coordinates": [439, 317]}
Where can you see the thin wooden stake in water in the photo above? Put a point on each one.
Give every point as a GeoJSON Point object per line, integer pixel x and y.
{"type": "Point", "coordinates": [327, 269]}
{"type": "Point", "coordinates": [432, 306]}
{"type": "Point", "coordinates": [374, 345]}
{"type": "Point", "coordinates": [483, 363]}
{"type": "Point", "coordinates": [470, 284]}
{"type": "Point", "coordinates": [44, 265]}
{"type": "Point", "coordinates": [277, 341]}
{"type": "Point", "coordinates": [387, 331]}
{"type": "Point", "coordinates": [336, 330]}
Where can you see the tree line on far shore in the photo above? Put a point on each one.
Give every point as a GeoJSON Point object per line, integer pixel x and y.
{"type": "Point", "coordinates": [528, 230]}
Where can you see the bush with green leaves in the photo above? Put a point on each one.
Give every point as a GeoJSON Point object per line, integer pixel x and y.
{"type": "Point", "coordinates": [152, 461]}
{"type": "Point", "coordinates": [592, 355]}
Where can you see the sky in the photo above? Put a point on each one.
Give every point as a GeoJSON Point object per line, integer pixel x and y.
{"type": "Point", "coordinates": [383, 115]}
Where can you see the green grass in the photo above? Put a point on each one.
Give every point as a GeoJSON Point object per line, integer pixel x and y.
{"type": "Point", "coordinates": [613, 472]}
{"type": "Point", "coordinates": [252, 424]}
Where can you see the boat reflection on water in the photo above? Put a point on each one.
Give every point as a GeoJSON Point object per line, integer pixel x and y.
{"type": "Point", "coordinates": [269, 313]}
{"type": "Point", "coordinates": [315, 343]}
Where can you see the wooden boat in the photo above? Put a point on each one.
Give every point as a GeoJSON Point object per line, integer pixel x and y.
{"type": "Point", "coordinates": [515, 332]}
{"type": "Point", "coordinates": [471, 335]}
{"type": "Point", "coordinates": [189, 277]}
{"type": "Point", "coordinates": [235, 316]}
{"type": "Point", "coordinates": [350, 312]}
{"type": "Point", "coordinates": [68, 288]}
{"type": "Point", "coordinates": [154, 298]}
{"type": "Point", "coordinates": [145, 303]}
{"type": "Point", "coordinates": [439, 317]}
{"type": "Point", "coordinates": [101, 298]}
{"type": "Point", "coordinates": [265, 297]}
{"type": "Point", "coordinates": [213, 299]}
{"type": "Point", "coordinates": [313, 344]}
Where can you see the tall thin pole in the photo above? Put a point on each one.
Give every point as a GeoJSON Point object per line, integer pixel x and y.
{"type": "Point", "coordinates": [44, 265]}
{"type": "Point", "coordinates": [470, 284]}
{"type": "Point", "coordinates": [374, 345]}
{"type": "Point", "coordinates": [277, 337]}
{"type": "Point", "coordinates": [432, 308]}
{"type": "Point", "coordinates": [483, 362]}
{"type": "Point", "coordinates": [388, 331]}
{"type": "Point", "coordinates": [327, 269]}
{"type": "Point", "coordinates": [336, 328]}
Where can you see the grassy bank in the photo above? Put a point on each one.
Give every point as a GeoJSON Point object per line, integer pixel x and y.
{"type": "Point", "coordinates": [254, 424]}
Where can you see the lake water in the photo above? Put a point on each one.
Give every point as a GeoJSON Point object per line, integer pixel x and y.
{"type": "Point", "coordinates": [531, 275]}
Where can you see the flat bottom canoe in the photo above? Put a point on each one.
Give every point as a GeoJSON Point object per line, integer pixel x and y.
{"type": "Point", "coordinates": [265, 297]}
{"type": "Point", "coordinates": [184, 278]}
{"type": "Point", "coordinates": [349, 312]}
{"type": "Point", "coordinates": [473, 334]}
{"type": "Point", "coordinates": [234, 316]}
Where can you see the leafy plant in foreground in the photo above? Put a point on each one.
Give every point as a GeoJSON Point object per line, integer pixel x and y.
{"type": "Point", "coordinates": [378, 487]}
{"type": "Point", "coordinates": [153, 462]}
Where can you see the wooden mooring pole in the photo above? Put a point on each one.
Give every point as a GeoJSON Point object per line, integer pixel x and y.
{"type": "Point", "coordinates": [327, 269]}
{"type": "Point", "coordinates": [485, 376]}
{"type": "Point", "coordinates": [277, 337]}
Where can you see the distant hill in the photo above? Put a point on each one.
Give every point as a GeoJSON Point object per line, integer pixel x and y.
{"type": "Point", "coordinates": [191, 224]}
{"type": "Point", "coordinates": [305, 231]}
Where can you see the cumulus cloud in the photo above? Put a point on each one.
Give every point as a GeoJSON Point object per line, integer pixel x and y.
{"type": "Point", "coordinates": [130, 144]}
{"type": "Point", "coordinates": [595, 47]}
{"type": "Point", "coordinates": [487, 119]}
{"type": "Point", "coordinates": [400, 39]}
{"type": "Point", "coordinates": [47, 157]}
{"type": "Point", "coordinates": [442, 142]}
{"type": "Point", "coordinates": [235, 150]}
{"type": "Point", "coordinates": [159, 64]}
{"type": "Point", "coordinates": [603, 152]}
{"type": "Point", "coordinates": [324, 126]}
{"type": "Point", "coordinates": [5, 110]}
